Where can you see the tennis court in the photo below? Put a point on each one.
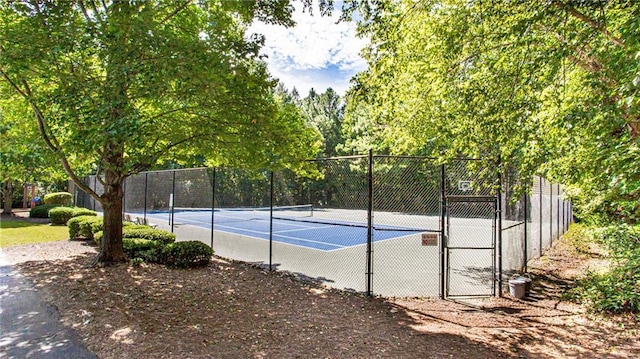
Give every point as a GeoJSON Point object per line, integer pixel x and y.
{"type": "Point", "coordinates": [387, 225]}
{"type": "Point", "coordinates": [292, 225]}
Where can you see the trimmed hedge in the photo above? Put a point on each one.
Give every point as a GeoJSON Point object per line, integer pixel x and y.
{"type": "Point", "coordinates": [158, 235]}
{"type": "Point", "coordinates": [145, 249]}
{"type": "Point", "coordinates": [189, 254]}
{"type": "Point", "coordinates": [90, 226]}
{"type": "Point", "coordinates": [74, 225]}
{"type": "Point", "coordinates": [61, 198]}
{"type": "Point", "coordinates": [97, 237]}
{"type": "Point", "coordinates": [79, 211]}
{"type": "Point", "coordinates": [60, 215]}
{"type": "Point", "coordinates": [42, 211]}
{"type": "Point", "coordinates": [143, 232]}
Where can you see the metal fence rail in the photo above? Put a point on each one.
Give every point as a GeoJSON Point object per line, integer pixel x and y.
{"type": "Point", "coordinates": [383, 225]}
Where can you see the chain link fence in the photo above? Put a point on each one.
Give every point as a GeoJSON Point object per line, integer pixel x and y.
{"type": "Point", "coordinates": [382, 225]}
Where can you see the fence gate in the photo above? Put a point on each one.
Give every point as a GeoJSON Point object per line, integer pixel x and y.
{"type": "Point", "coordinates": [470, 246]}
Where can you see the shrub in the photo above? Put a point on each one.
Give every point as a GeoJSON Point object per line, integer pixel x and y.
{"type": "Point", "coordinates": [141, 248]}
{"type": "Point", "coordinates": [61, 198]}
{"type": "Point", "coordinates": [90, 225]}
{"type": "Point", "coordinates": [187, 254]}
{"type": "Point", "coordinates": [149, 233]}
{"type": "Point", "coordinates": [621, 241]}
{"type": "Point", "coordinates": [79, 211]}
{"type": "Point", "coordinates": [74, 226]}
{"type": "Point", "coordinates": [60, 215]}
{"type": "Point", "coordinates": [617, 290]}
{"type": "Point", "coordinates": [579, 237]}
{"type": "Point", "coordinates": [84, 226]}
{"type": "Point", "coordinates": [130, 230]}
{"type": "Point", "coordinates": [42, 211]}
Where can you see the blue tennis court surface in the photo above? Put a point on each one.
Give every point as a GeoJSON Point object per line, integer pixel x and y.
{"type": "Point", "coordinates": [326, 235]}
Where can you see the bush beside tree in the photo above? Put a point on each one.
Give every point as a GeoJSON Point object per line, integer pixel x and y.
{"type": "Point", "coordinates": [188, 254]}
{"type": "Point", "coordinates": [42, 211]}
{"type": "Point", "coordinates": [142, 243]}
{"type": "Point", "coordinates": [61, 198]}
{"type": "Point", "coordinates": [61, 215]}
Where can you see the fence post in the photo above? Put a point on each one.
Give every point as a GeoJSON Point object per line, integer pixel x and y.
{"type": "Point", "coordinates": [558, 211]}
{"type": "Point", "coordinates": [540, 251]}
{"type": "Point", "coordinates": [95, 187]}
{"type": "Point", "coordinates": [370, 224]}
{"type": "Point", "coordinates": [526, 229]}
{"type": "Point", "coordinates": [550, 214]}
{"type": "Point", "coordinates": [564, 215]}
{"type": "Point", "coordinates": [124, 197]}
{"type": "Point", "coordinates": [499, 230]}
{"type": "Point", "coordinates": [144, 211]}
{"type": "Point", "coordinates": [173, 198]}
{"type": "Point", "coordinates": [271, 221]}
{"type": "Point", "coordinates": [213, 203]}
{"type": "Point", "coordinates": [443, 238]}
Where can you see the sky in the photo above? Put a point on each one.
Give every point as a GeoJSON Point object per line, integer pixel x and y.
{"type": "Point", "coordinates": [317, 53]}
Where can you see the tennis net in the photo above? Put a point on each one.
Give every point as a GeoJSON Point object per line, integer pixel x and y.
{"type": "Point", "coordinates": [241, 214]}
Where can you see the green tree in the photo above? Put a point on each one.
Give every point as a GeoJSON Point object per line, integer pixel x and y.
{"type": "Point", "coordinates": [24, 157]}
{"type": "Point", "coordinates": [128, 84]}
{"type": "Point", "coordinates": [534, 83]}
{"type": "Point", "coordinates": [325, 112]}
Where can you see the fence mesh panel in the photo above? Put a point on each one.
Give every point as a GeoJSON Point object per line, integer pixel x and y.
{"type": "Point", "coordinates": [406, 206]}
{"type": "Point", "coordinates": [240, 218]}
{"type": "Point", "coordinates": [320, 228]}
{"type": "Point", "coordinates": [545, 225]}
{"type": "Point", "coordinates": [534, 218]}
{"type": "Point", "coordinates": [193, 200]}
{"type": "Point", "coordinates": [134, 197]}
{"type": "Point", "coordinates": [327, 244]}
{"type": "Point", "coordinates": [513, 224]}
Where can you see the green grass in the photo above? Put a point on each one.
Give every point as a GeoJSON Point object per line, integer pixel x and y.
{"type": "Point", "coordinates": [13, 233]}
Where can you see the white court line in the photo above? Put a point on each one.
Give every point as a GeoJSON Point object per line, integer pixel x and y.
{"type": "Point", "coordinates": [303, 229]}
{"type": "Point", "coordinates": [261, 232]}
{"type": "Point", "coordinates": [338, 246]}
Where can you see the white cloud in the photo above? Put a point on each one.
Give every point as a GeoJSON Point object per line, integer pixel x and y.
{"type": "Point", "coordinates": [317, 52]}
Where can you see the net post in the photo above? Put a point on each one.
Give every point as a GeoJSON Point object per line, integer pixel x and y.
{"type": "Point", "coordinates": [443, 211]}
{"type": "Point", "coordinates": [370, 222]}
{"type": "Point", "coordinates": [271, 221]}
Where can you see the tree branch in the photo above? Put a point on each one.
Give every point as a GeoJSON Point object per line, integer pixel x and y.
{"type": "Point", "coordinates": [589, 21]}
{"type": "Point", "coordinates": [141, 166]}
{"type": "Point", "coordinates": [83, 7]}
{"type": "Point", "coordinates": [51, 142]}
{"type": "Point", "coordinates": [12, 83]}
{"type": "Point", "coordinates": [176, 11]}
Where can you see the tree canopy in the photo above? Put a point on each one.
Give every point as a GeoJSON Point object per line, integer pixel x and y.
{"type": "Point", "coordinates": [126, 84]}
{"type": "Point", "coordinates": [548, 86]}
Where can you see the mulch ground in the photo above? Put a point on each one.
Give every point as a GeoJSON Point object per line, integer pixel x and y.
{"type": "Point", "coordinates": [234, 310]}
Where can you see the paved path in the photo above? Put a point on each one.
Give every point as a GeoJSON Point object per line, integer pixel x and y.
{"type": "Point", "coordinates": [30, 327]}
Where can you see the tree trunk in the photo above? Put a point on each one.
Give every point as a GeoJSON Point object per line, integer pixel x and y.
{"type": "Point", "coordinates": [8, 197]}
{"type": "Point", "coordinates": [111, 249]}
